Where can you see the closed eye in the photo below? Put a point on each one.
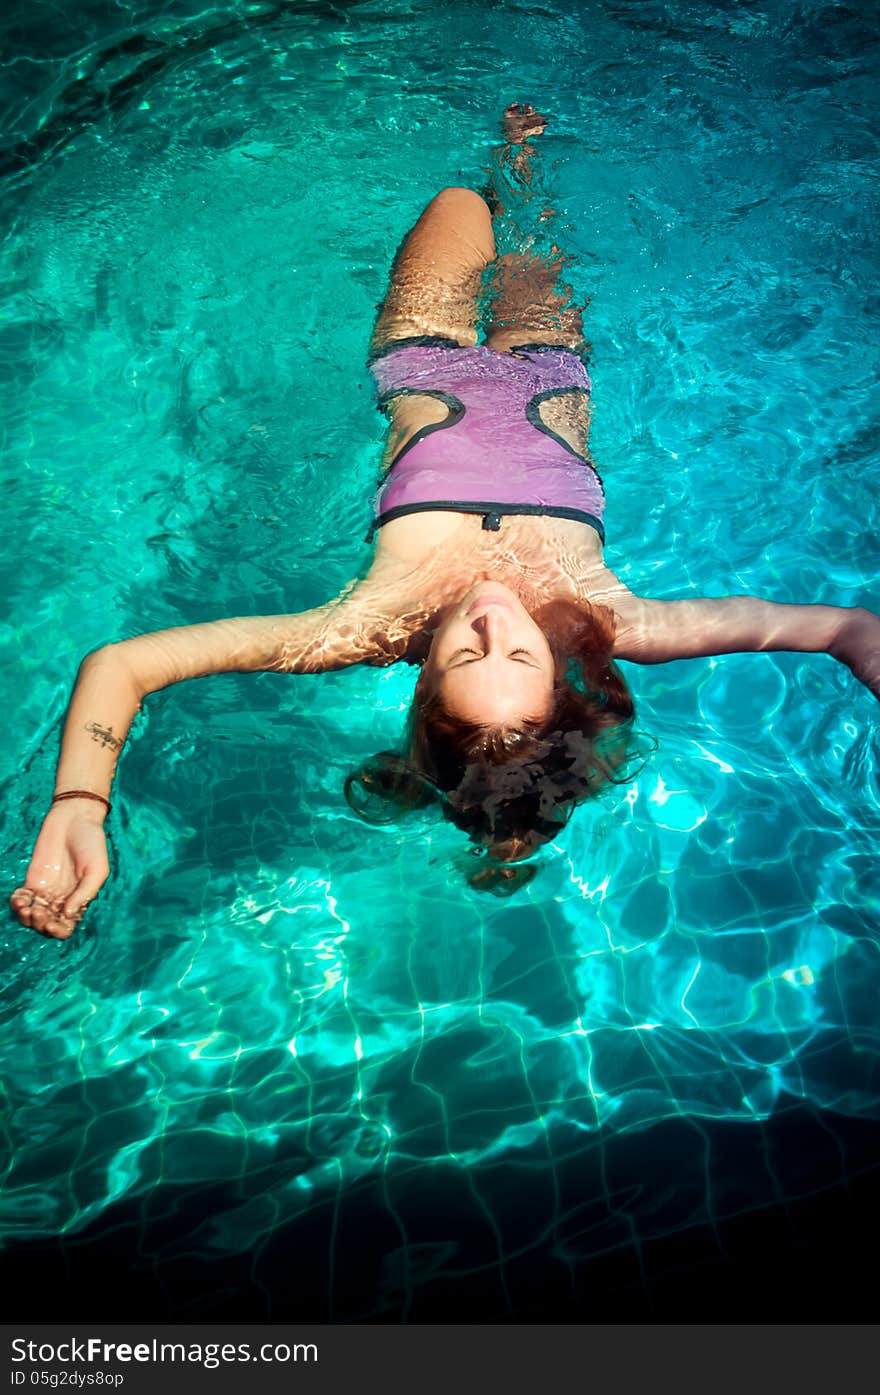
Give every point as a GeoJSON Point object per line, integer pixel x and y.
{"type": "Point", "coordinates": [458, 653]}
{"type": "Point", "coordinates": [528, 658]}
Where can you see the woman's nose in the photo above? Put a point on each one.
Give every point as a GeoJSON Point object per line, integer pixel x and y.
{"type": "Point", "coordinates": [492, 625]}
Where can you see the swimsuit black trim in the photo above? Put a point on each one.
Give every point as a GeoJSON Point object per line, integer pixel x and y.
{"type": "Point", "coordinates": [493, 513]}
{"type": "Point", "coordinates": [423, 341]}
{"type": "Point", "coordinates": [456, 412]}
{"type": "Point", "coordinates": [443, 341]}
{"type": "Point", "coordinates": [533, 416]}
{"type": "Point", "coordinates": [519, 349]}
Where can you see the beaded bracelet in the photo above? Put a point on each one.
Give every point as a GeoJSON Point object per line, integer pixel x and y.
{"type": "Point", "coordinates": [83, 794]}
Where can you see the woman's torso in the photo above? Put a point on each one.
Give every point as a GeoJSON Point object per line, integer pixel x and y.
{"type": "Point", "coordinates": [482, 432]}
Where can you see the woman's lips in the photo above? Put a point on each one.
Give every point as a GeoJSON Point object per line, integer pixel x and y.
{"type": "Point", "coordinates": [483, 601]}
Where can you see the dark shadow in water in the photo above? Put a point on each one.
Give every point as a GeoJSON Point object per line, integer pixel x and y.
{"type": "Point", "coordinates": [91, 97]}
{"type": "Point", "coordinates": [800, 1262]}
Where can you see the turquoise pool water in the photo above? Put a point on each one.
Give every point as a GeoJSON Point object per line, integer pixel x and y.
{"type": "Point", "coordinates": [281, 1031]}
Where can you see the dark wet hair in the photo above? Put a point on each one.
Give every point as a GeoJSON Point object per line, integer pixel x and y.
{"type": "Point", "coordinates": [513, 788]}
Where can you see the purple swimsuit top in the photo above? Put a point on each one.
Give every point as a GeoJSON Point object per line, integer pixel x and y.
{"type": "Point", "coordinates": [492, 454]}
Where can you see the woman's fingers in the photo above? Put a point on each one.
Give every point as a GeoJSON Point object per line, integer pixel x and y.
{"type": "Point", "coordinates": [48, 921]}
{"type": "Point", "coordinates": [59, 927]}
{"type": "Point", "coordinates": [55, 915]}
{"type": "Point", "coordinates": [41, 913]}
{"type": "Point", "coordinates": [20, 903]}
{"type": "Point", "coordinates": [89, 886]}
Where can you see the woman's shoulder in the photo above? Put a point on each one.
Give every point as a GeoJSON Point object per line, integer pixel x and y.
{"type": "Point", "coordinates": [599, 585]}
{"type": "Point", "coordinates": [386, 610]}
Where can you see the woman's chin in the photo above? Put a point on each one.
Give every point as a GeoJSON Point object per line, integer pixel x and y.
{"type": "Point", "coordinates": [485, 590]}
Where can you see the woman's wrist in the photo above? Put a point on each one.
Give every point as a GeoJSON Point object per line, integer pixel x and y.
{"type": "Point", "coordinates": [77, 803]}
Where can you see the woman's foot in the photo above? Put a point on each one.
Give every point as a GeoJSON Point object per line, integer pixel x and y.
{"type": "Point", "coordinates": [521, 122]}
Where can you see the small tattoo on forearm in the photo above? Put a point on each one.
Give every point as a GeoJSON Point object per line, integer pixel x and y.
{"type": "Point", "coordinates": [105, 736]}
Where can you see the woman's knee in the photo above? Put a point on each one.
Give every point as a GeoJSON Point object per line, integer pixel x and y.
{"type": "Point", "coordinates": [459, 213]}
{"type": "Point", "coordinates": [467, 198]}
{"type": "Point", "coordinates": [453, 236]}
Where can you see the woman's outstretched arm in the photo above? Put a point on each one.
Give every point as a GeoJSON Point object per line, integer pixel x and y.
{"type": "Point", "coordinates": [69, 863]}
{"type": "Point", "coordinates": [652, 632]}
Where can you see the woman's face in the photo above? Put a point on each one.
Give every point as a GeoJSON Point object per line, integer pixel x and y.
{"type": "Point", "coordinates": [489, 662]}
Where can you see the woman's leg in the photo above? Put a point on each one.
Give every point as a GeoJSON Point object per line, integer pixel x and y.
{"type": "Point", "coordinates": [436, 276]}
{"type": "Point", "coordinates": [530, 304]}
{"type": "Point", "coordinates": [435, 285]}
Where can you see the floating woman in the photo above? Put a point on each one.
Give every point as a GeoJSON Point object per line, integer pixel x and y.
{"type": "Point", "coordinates": [487, 573]}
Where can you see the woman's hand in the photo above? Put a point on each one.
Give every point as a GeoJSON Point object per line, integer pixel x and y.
{"type": "Point", "coordinates": [68, 868]}
{"type": "Point", "coordinates": [858, 646]}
